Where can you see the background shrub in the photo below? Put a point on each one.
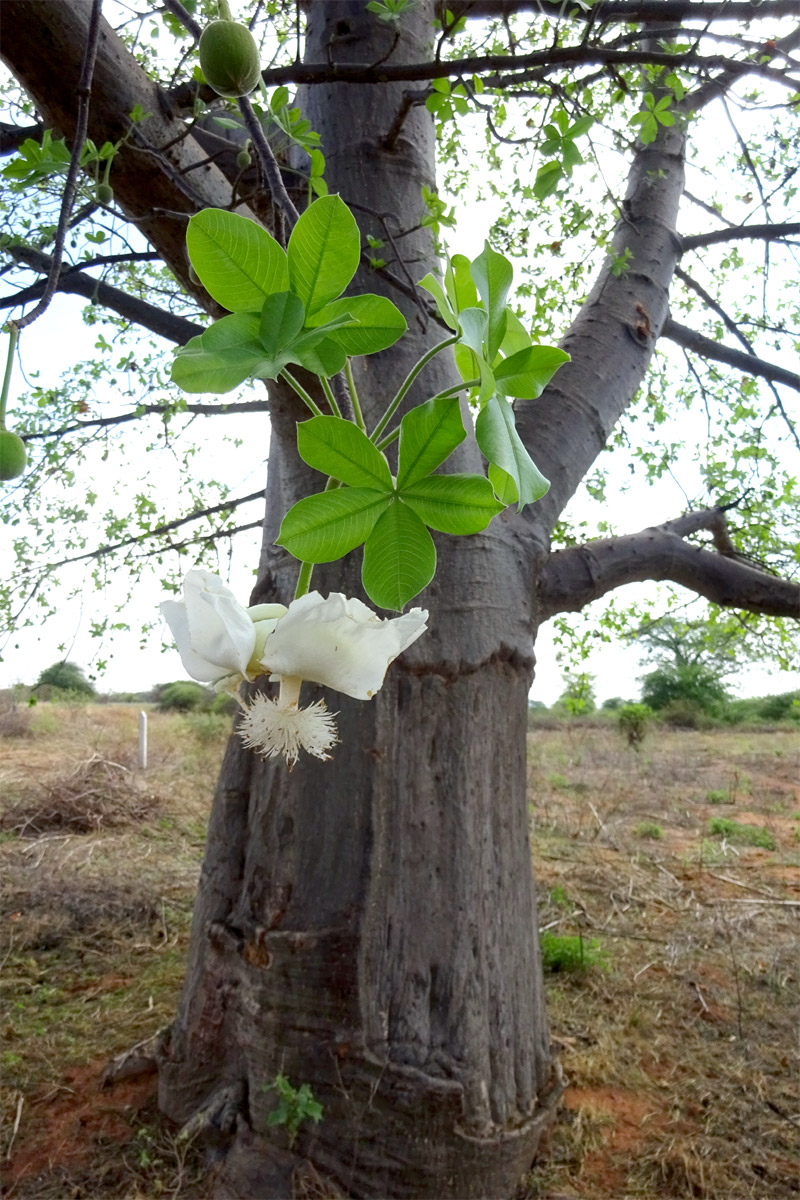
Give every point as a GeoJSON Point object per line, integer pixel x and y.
{"type": "Point", "coordinates": [182, 696]}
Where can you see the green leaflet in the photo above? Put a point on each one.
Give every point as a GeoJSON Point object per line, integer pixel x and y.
{"type": "Point", "coordinates": [377, 323]}
{"type": "Point", "coordinates": [431, 284]}
{"type": "Point", "coordinates": [326, 526]}
{"type": "Point", "coordinates": [493, 274]}
{"type": "Point", "coordinates": [428, 435]}
{"type": "Point", "coordinates": [222, 357]}
{"type": "Point", "coordinates": [238, 262]}
{"type": "Point", "coordinates": [399, 558]}
{"type": "Point", "coordinates": [460, 504]}
{"type": "Point", "coordinates": [323, 252]}
{"type": "Point", "coordinates": [282, 318]}
{"type": "Point", "coordinates": [496, 434]}
{"type": "Point", "coordinates": [339, 448]}
{"type": "Point", "coordinates": [526, 374]}
{"type": "Point", "coordinates": [474, 324]}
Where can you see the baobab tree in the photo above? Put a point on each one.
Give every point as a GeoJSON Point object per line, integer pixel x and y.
{"type": "Point", "coordinates": [367, 925]}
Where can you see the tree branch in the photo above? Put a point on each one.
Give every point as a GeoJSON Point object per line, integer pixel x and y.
{"type": "Point", "coordinates": [625, 11]}
{"type": "Point", "coordinates": [226, 506]}
{"type": "Point", "coordinates": [575, 577]}
{"type": "Point", "coordinates": [690, 339]}
{"type": "Point", "coordinates": [769, 233]}
{"type": "Point", "coordinates": [500, 69]}
{"type": "Point", "coordinates": [147, 410]}
{"type": "Point", "coordinates": [157, 320]}
{"type": "Point", "coordinates": [12, 136]}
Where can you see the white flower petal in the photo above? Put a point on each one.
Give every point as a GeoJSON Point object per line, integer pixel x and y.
{"type": "Point", "coordinates": [220, 630]}
{"type": "Point", "coordinates": [339, 642]}
{"type": "Point", "coordinates": [274, 729]}
{"type": "Point", "coordinates": [174, 612]}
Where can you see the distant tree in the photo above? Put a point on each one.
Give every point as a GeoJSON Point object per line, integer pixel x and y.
{"type": "Point", "coordinates": [578, 696]}
{"type": "Point", "coordinates": [691, 660]}
{"type": "Point", "coordinates": [67, 677]}
{"type": "Point", "coordinates": [693, 684]}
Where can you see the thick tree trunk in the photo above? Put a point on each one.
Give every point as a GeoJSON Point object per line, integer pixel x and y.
{"type": "Point", "coordinates": [368, 925]}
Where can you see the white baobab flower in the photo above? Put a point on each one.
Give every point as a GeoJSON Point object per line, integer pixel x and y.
{"type": "Point", "coordinates": [219, 641]}
{"type": "Point", "coordinates": [338, 642]}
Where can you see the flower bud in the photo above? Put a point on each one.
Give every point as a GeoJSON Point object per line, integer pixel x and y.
{"type": "Point", "coordinates": [229, 58]}
{"type": "Point", "coordinates": [105, 193]}
{"type": "Point", "coordinates": [12, 455]}
{"type": "Point", "coordinates": [243, 159]}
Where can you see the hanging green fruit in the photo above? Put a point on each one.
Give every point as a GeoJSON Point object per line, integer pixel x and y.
{"type": "Point", "coordinates": [229, 59]}
{"type": "Point", "coordinates": [12, 455]}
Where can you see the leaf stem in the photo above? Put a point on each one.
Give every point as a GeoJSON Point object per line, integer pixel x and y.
{"type": "Point", "coordinates": [13, 336]}
{"type": "Point", "coordinates": [328, 390]}
{"type": "Point", "coordinates": [407, 382]}
{"type": "Point", "coordinates": [351, 383]}
{"type": "Point", "coordinates": [306, 568]}
{"type": "Point", "coordinates": [451, 391]}
{"type": "Point", "coordinates": [303, 579]}
{"type": "Point", "coordinates": [301, 391]}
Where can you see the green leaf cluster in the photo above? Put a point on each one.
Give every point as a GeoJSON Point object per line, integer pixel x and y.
{"type": "Point", "coordinates": [284, 305]}
{"type": "Point", "coordinates": [389, 11]}
{"type": "Point", "coordinates": [560, 151]}
{"type": "Point", "coordinates": [445, 100]}
{"type": "Point", "coordinates": [655, 113]}
{"type": "Point", "coordinates": [495, 353]}
{"type": "Point", "coordinates": [390, 516]}
{"type": "Point", "coordinates": [295, 1105]}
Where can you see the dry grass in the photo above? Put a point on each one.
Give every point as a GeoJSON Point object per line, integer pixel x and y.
{"type": "Point", "coordinates": [679, 1044]}
{"type": "Point", "coordinates": [681, 1055]}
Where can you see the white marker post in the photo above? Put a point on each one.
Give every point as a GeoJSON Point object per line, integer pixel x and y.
{"type": "Point", "coordinates": [142, 741]}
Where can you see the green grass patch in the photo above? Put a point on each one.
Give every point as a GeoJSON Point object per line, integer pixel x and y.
{"type": "Point", "coordinates": [746, 835]}
{"type": "Point", "coordinates": [570, 952]}
{"type": "Point", "coordinates": [648, 829]}
{"type": "Point", "coordinates": [719, 796]}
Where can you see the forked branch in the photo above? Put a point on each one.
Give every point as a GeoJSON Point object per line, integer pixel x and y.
{"type": "Point", "coordinates": [575, 577]}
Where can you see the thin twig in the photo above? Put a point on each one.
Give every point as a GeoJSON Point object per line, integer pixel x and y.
{"type": "Point", "coordinates": [20, 1103]}
{"type": "Point", "coordinates": [68, 196]}
{"type": "Point", "coordinates": [269, 163]}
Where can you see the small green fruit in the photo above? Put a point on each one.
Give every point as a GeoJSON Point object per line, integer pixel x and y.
{"type": "Point", "coordinates": [105, 193]}
{"type": "Point", "coordinates": [229, 58]}
{"type": "Point", "coordinates": [243, 160]}
{"type": "Point", "coordinates": [12, 455]}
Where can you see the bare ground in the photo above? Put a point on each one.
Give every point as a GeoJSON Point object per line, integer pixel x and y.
{"type": "Point", "coordinates": [678, 1034]}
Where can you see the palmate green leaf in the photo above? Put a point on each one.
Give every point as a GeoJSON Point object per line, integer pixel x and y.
{"type": "Point", "coordinates": [324, 527]}
{"type": "Point", "coordinates": [493, 274]}
{"type": "Point", "coordinates": [323, 252]}
{"type": "Point", "coordinates": [399, 557]}
{"type": "Point", "coordinates": [429, 433]}
{"type": "Point", "coordinates": [339, 448]}
{"type": "Point", "coordinates": [460, 504]}
{"type": "Point", "coordinates": [238, 262]}
{"type": "Point", "coordinates": [526, 374]}
{"type": "Point", "coordinates": [377, 323]}
{"type": "Point", "coordinates": [496, 434]}
{"type": "Point", "coordinates": [223, 356]}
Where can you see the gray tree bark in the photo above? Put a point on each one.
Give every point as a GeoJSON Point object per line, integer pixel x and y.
{"type": "Point", "coordinates": [377, 938]}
